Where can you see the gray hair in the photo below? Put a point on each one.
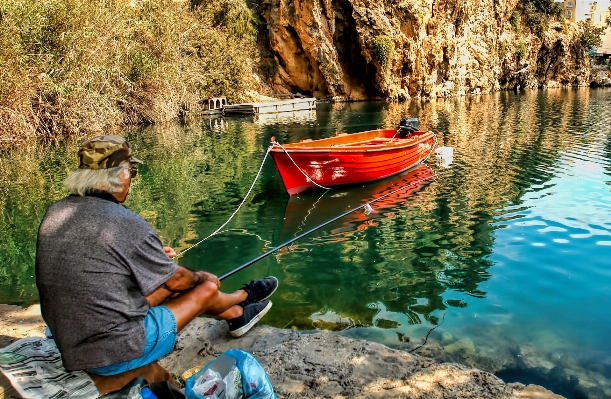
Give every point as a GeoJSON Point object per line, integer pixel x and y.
{"type": "Point", "coordinates": [86, 181]}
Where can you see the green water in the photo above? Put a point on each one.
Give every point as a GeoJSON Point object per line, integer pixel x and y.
{"type": "Point", "coordinates": [500, 262]}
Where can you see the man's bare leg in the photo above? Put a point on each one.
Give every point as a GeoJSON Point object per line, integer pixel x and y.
{"type": "Point", "coordinates": [202, 299]}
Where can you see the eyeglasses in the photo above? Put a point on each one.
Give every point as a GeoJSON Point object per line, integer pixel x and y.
{"type": "Point", "coordinates": [133, 172]}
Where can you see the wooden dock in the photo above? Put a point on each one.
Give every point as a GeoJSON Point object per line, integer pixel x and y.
{"type": "Point", "coordinates": [300, 116]}
{"type": "Point", "coordinates": [296, 104]}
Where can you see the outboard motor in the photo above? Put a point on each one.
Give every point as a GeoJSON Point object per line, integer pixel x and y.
{"type": "Point", "coordinates": [407, 126]}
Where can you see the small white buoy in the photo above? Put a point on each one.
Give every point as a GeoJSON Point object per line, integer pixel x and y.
{"type": "Point", "coordinates": [445, 156]}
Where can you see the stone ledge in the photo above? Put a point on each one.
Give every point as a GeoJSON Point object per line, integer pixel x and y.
{"type": "Point", "coordinates": [326, 365]}
{"type": "Point", "coordinates": [316, 365]}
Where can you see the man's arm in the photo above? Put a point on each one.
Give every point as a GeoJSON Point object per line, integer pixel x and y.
{"type": "Point", "coordinates": [185, 279]}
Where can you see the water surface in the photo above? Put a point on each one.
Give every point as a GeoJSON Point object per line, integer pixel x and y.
{"type": "Point", "coordinates": [500, 261]}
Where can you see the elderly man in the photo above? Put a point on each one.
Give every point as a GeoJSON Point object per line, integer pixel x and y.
{"type": "Point", "coordinates": [109, 291]}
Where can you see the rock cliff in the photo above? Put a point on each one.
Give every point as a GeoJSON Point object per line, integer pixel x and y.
{"type": "Point", "coordinates": [359, 49]}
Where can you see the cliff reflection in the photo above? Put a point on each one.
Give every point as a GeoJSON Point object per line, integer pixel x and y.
{"type": "Point", "coordinates": [411, 257]}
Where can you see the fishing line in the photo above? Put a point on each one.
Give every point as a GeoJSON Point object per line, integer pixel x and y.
{"type": "Point", "coordinates": [248, 193]}
{"type": "Point", "coordinates": [429, 333]}
{"type": "Point", "coordinates": [265, 254]}
{"type": "Point", "coordinates": [238, 208]}
{"type": "Point", "coordinates": [300, 228]}
{"type": "Point", "coordinates": [367, 206]}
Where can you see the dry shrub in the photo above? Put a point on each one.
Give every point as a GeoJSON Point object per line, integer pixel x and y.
{"type": "Point", "coordinates": [74, 67]}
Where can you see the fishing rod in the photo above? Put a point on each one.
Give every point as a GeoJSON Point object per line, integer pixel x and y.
{"type": "Point", "coordinates": [366, 205]}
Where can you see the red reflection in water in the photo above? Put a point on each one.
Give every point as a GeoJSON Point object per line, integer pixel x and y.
{"type": "Point", "coordinates": [306, 211]}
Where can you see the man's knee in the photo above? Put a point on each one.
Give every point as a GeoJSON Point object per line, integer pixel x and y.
{"type": "Point", "coordinates": [206, 293]}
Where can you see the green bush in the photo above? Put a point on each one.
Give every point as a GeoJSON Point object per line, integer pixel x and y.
{"type": "Point", "coordinates": [535, 20]}
{"type": "Point", "coordinates": [533, 16]}
{"type": "Point", "coordinates": [269, 67]}
{"type": "Point", "coordinates": [540, 31]}
{"type": "Point", "coordinates": [236, 17]}
{"type": "Point", "coordinates": [501, 49]}
{"type": "Point", "coordinates": [515, 22]}
{"type": "Point", "coordinates": [521, 51]}
{"type": "Point", "coordinates": [384, 48]}
{"type": "Point", "coordinates": [548, 7]}
{"type": "Point", "coordinates": [141, 63]}
{"type": "Point", "coordinates": [74, 67]}
{"type": "Point", "coordinates": [537, 14]}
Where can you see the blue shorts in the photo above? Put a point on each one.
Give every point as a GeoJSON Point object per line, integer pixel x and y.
{"type": "Point", "coordinates": [160, 330]}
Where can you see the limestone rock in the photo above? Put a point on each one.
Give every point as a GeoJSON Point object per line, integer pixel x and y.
{"type": "Point", "coordinates": [437, 48]}
{"type": "Point", "coordinates": [536, 392]}
{"type": "Point", "coordinates": [601, 77]}
{"type": "Point", "coordinates": [464, 346]}
{"type": "Point", "coordinates": [326, 365]}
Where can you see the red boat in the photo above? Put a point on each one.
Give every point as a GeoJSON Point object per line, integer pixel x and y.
{"type": "Point", "coordinates": [350, 158]}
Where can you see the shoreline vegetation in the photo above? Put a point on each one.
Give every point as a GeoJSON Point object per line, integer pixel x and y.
{"type": "Point", "coordinates": [74, 68]}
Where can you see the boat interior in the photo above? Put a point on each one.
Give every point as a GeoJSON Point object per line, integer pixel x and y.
{"type": "Point", "coordinates": [381, 137]}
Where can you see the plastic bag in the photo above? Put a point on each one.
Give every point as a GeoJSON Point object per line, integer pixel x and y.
{"type": "Point", "coordinates": [235, 374]}
{"type": "Point", "coordinates": [138, 392]}
{"type": "Point", "coordinates": [139, 388]}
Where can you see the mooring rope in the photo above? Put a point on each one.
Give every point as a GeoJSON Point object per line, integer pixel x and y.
{"type": "Point", "coordinates": [274, 142]}
{"type": "Point", "coordinates": [292, 240]}
{"type": "Point", "coordinates": [432, 148]}
{"type": "Point", "coordinates": [238, 208]}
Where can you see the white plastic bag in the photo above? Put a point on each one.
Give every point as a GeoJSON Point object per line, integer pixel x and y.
{"type": "Point", "coordinates": [134, 393]}
{"type": "Point", "coordinates": [243, 378]}
{"type": "Point", "coordinates": [233, 382]}
{"type": "Point", "coordinates": [210, 385]}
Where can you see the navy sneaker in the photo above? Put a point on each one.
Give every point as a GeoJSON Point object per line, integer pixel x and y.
{"type": "Point", "coordinates": [259, 290]}
{"type": "Point", "coordinates": [252, 314]}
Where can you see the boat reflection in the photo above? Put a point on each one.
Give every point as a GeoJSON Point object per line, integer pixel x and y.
{"type": "Point", "coordinates": [308, 210]}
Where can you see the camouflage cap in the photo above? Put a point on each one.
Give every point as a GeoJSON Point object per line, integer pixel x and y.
{"type": "Point", "coordinates": [103, 152]}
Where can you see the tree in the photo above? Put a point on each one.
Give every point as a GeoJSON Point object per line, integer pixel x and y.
{"type": "Point", "coordinates": [548, 7]}
{"type": "Point", "coordinates": [590, 35]}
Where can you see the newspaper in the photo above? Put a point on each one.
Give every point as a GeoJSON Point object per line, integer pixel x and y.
{"type": "Point", "coordinates": [34, 368]}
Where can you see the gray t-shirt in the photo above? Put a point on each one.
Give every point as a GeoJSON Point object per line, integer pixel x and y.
{"type": "Point", "coordinates": [96, 262]}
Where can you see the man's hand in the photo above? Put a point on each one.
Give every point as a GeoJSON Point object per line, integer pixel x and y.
{"type": "Point", "coordinates": [170, 252]}
{"type": "Point", "coordinates": [205, 276]}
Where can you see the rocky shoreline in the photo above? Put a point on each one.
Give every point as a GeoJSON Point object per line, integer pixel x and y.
{"type": "Point", "coordinates": [316, 365]}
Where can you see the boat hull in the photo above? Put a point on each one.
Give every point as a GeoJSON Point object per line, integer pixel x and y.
{"type": "Point", "coordinates": [349, 159]}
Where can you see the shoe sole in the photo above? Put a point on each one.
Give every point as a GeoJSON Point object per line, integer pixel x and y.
{"type": "Point", "coordinates": [243, 330]}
